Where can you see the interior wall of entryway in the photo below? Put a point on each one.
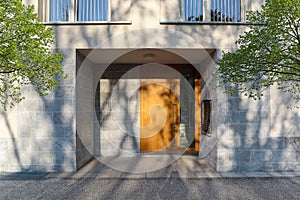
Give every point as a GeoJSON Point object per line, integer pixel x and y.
{"type": "Point", "coordinates": [84, 110]}
{"type": "Point", "coordinates": [117, 123]}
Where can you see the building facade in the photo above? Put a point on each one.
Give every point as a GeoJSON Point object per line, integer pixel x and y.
{"type": "Point", "coordinates": [140, 82]}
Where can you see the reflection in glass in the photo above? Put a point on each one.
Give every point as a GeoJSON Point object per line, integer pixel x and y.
{"type": "Point", "coordinates": [225, 10]}
{"type": "Point", "coordinates": [187, 112]}
{"type": "Point", "coordinates": [193, 10]}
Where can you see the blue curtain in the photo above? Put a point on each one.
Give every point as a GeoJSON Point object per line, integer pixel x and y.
{"type": "Point", "coordinates": [92, 10]}
{"type": "Point", "coordinates": [225, 10]}
{"type": "Point", "coordinates": [193, 10]}
{"type": "Point", "coordinates": [59, 10]}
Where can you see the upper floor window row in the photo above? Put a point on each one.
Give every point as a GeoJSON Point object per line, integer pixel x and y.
{"type": "Point", "coordinates": [219, 10]}
{"type": "Point", "coordinates": [99, 10]}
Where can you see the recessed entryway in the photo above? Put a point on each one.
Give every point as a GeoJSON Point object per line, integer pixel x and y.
{"type": "Point", "coordinates": [141, 104]}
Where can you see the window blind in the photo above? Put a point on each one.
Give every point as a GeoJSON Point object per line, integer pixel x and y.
{"type": "Point", "coordinates": [59, 10]}
{"type": "Point", "coordinates": [92, 10]}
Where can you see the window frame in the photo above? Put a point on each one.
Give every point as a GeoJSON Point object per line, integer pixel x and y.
{"type": "Point", "coordinates": [207, 14]}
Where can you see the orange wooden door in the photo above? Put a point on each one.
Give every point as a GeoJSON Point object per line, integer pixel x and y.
{"type": "Point", "coordinates": [159, 114]}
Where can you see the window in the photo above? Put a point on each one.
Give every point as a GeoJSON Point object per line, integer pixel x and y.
{"type": "Point", "coordinates": [225, 10]}
{"type": "Point", "coordinates": [193, 10]}
{"type": "Point", "coordinates": [212, 10]}
{"type": "Point", "coordinates": [59, 10]}
{"type": "Point", "coordinates": [74, 10]}
{"type": "Point", "coordinates": [92, 10]}
{"type": "Point", "coordinates": [206, 117]}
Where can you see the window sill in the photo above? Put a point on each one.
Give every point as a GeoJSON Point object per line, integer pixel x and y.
{"type": "Point", "coordinates": [89, 23]}
{"type": "Point", "coordinates": [201, 23]}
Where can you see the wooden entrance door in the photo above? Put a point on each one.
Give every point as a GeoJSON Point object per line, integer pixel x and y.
{"type": "Point", "coordinates": [164, 123]}
{"type": "Point", "coordinates": [159, 114]}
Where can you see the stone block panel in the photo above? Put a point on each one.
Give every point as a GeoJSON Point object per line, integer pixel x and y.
{"type": "Point", "coordinates": [262, 143]}
{"type": "Point", "coordinates": [41, 131]}
{"type": "Point", "coordinates": [15, 145]}
{"type": "Point", "coordinates": [248, 166]}
{"type": "Point", "coordinates": [22, 145]}
{"type": "Point", "coordinates": [247, 130]}
{"type": "Point", "coordinates": [3, 145]}
{"type": "Point", "coordinates": [65, 92]}
{"type": "Point", "coordinates": [229, 143]}
{"type": "Point", "coordinates": [276, 166]}
{"type": "Point", "coordinates": [52, 145]}
{"type": "Point", "coordinates": [248, 117]}
{"type": "Point", "coordinates": [261, 155]}
{"type": "Point", "coordinates": [65, 118]}
{"type": "Point", "coordinates": [27, 117]}
{"type": "Point", "coordinates": [36, 105]}
{"type": "Point", "coordinates": [112, 135]}
{"type": "Point", "coordinates": [126, 144]}
{"type": "Point", "coordinates": [227, 167]}
{"type": "Point", "coordinates": [64, 158]}
{"type": "Point", "coordinates": [59, 104]}
{"type": "Point", "coordinates": [234, 156]}
{"type": "Point", "coordinates": [292, 142]}
{"type": "Point", "coordinates": [9, 157]}
{"type": "Point", "coordinates": [297, 167]}
{"type": "Point", "coordinates": [110, 126]}
{"type": "Point", "coordinates": [3, 168]}
{"type": "Point", "coordinates": [69, 69]}
{"type": "Point", "coordinates": [245, 104]}
{"type": "Point", "coordinates": [284, 156]}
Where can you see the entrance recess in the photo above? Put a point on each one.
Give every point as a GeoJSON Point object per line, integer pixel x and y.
{"type": "Point", "coordinates": [170, 113]}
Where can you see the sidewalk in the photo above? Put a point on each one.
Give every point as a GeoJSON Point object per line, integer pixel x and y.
{"type": "Point", "coordinates": [185, 167]}
{"type": "Point", "coordinates": [185, 178]}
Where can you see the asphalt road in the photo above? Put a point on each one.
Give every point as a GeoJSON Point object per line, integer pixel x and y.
{"type": "Point", "coordinates": [173, 188]}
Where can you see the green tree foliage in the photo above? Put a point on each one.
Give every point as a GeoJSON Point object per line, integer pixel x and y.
{"type": "Point", "coordinates": [25, 53]}
{"type": "Point", "coordinates": [269, 53]}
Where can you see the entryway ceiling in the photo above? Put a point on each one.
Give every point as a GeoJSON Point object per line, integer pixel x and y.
{"type": "Point", "coordinates": [141, 56]}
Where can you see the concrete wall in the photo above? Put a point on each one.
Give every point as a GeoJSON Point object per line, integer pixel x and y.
{"type": "Point", "coordinates": [39, 134]}
{"type": "Point", "coordinates": [260, 135]}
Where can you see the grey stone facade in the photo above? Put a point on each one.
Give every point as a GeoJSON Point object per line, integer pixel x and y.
{"type": "Point", "coordinates": [94, 112]}
{"type": "Point", "coordinates": [250, 142]}
{"type": "Point", "coordinates": [38, 134]}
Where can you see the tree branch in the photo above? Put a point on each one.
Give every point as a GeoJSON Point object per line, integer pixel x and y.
{"type": "Point", "coordinates": [280, 72]}
{"type": "Point", "coordinates": [8, 72]}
